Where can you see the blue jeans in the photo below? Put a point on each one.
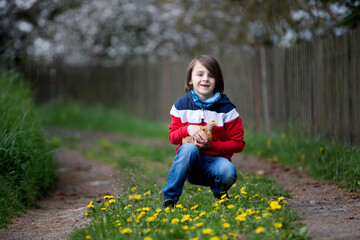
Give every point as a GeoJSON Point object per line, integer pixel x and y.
{"type": "Point", "coordinates": [191, 165]}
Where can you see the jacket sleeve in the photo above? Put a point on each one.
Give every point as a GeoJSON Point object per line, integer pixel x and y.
{"type": "Point", "coordinates": [234, 132]}
{"type": "Point", "coordinates": [177, 130]}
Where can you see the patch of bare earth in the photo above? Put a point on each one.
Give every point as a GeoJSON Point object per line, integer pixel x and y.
{"type": "Point", "coordinates": [327, 211]}
{"type": "Point", "coordinates": [79, 181]}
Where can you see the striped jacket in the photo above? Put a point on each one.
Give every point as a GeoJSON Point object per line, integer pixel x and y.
{"type": "Point", "coordinates": [228, 134]}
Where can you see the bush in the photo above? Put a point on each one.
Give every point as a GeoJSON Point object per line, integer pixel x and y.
{"type": "Point", "coordinates": [26, 163]}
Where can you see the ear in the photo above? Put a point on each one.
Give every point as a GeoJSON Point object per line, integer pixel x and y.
{"type": "Point", "coordinates": [190, 82]}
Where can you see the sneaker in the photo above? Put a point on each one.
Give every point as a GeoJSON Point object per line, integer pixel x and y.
{"type": "Point", "coordinates": [221, 195]}
{"type": "Point", "coordinates": [168, 203]}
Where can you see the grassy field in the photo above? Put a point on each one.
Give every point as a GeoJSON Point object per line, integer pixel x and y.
{"type": "Point", "coordinates": [330, 161]}
{"type": "Point", "coordinates": [27, 167]}
{"type": "Point", "coordinates": [256, 208]}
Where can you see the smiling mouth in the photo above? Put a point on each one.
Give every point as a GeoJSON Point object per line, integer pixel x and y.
{"type": "Point", "coordinates": [205, 86]}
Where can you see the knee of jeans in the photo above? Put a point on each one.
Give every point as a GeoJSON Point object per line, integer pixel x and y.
{"type": "Point", "coordinates": [228, 174]}
{"type": "Point", "coordinates": [189, 148]}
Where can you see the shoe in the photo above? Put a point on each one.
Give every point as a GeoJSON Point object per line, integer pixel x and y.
{"type": "Point", "coordinates": [221, 195]}
{"type": "Point", "coordinates": [168, 203]}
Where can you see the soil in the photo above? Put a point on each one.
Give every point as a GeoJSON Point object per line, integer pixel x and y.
{"type": "Point", "coordinates": [329, 212]}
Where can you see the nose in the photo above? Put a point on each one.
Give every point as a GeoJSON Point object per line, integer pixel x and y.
{"type": "Point", "coordinates": [205, 77]}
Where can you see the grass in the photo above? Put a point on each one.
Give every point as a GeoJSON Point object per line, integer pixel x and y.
{"type": "Point", "coordinates": [256, 209]}
{"type": "Point", "coordinates": [330, 161]}
{"type": "Point", "coordinates": [27, 167]}
{"type": "Point", "coordinates": [72, 114]}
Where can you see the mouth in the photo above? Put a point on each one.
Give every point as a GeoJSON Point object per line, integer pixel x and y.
{"type": "Point", "coordinates": [204, 85]}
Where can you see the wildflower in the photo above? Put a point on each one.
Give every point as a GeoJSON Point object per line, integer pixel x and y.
{"type": "Point", "coordinates": [86, 213]}
{"type": "Point", "coordinates": [196, 218]}
{"type": "Point", "coordinates": [226, 225]}
{"type": "Point", "coordinates": [250, 211]}
{"type": "Point", "coordinates": [133, 189]}
{"type": "Point", "coordinates": [215, 204]}
{"type": "Point", "coordinates": [175, 220]}
{"type": "Point", "coordinates": [148, 238]}
{"type": "Point", "coordinates": [321, 149]}
{"type": "Point", "coordinates": [278, 225]}
{"type": "Point", "coordinates": [112, 201]}
{"type": "Point", "coordinates": [164, 220]}
{"type": "Point", "coordinates": [202, 213]}
{"type": "Point", "coordinates": [137, 197]}
{"type": "Point", "coordinates": [185, 218]}
{"type": "Point", "coordinates": [268, 143]}
{"type": "Point", "coordinates": [215, 238]}
{"type": "Point", "coordinates": [241, 217]}
{"type": "Point", "coordinates": [146, 209]}
{"type": "Point", "coordinates": [224, 237]}
{"type": "Point", "coordinates": [234, 185]}
{"type": "Point", "coordinates": [302, 158]}
{"type": "Point", "coordinates": [258, 153]}
{"type": "Point", "coordinates": [276, 158]}
{"type": "Point", "coordinates": [259, 230]}
{"type": "Point", "coordinates": [185, 228]}
{"type": "Point", "coordinates": [106, 204]}
{"type": "Point", "coordinates": [199, 224]}
{"type": "Point", "coordinates": [91, 204]}
{"type": "Point", "coordinates": [103, 209]}
{"type": "Point", "coordinates": [179, 206]}
{"type": "Point", "coordinates": [283, 136]}
{"type": "Point", "coordinates": [148, 230]}
{"type": "Point", "coordinates": [242, 190]}
{"type": "Point", "coordinates": [207, 231]}
{"type": "Point", "coordinates": [275, 205]}
{"type": "Point", "coordinates": [230, 206]}
{"type": "Point", "coordinates": [199, 189]}
{"type": "Point", "coordinates": [88, 237]}
{"type": "Point", "coordinates": [158, 210]}
{"type": "Point", "coordinates": [147, 192]}
{"type": "Point", "coordinates": [126, 230]}
{"type": "Point", "coordinates": [150, 219]}
{"type": "Point", "coordinates": [131, 197]}
{"type": "Point", "coordinates": [194, 207]}
{"type": "Point", "coordinates": [280, 198]}
{"type": "Point", "coordinates": [129, 220]}
{"type": "Point", "coordinates": [236, 196]}
{"type": "Point", "coordinates": [108, 197]}
{"type": "Point", "coordinates": [127, 206]}
{"type": "Point", "coordinates": [257, 217]}
{"type": "Point", "coordinates": [195, 238]}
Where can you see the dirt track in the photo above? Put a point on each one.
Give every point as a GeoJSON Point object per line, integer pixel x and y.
{"type": "Point", "coordinates": [329, 212]}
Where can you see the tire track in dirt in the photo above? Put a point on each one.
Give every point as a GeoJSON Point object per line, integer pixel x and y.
{"type": "Point", "coordinates": [329, 212]}
{"type": "Point", "coordinates": [79, 181]}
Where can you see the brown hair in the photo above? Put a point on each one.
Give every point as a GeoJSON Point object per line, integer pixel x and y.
{"type": "Point", "coordinates": [212, 65]}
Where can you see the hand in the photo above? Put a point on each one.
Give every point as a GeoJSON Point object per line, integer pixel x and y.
{"type": "Point", "coordinates": [199, 145]}
{"type": "Point", "coordinates": [197, 134]}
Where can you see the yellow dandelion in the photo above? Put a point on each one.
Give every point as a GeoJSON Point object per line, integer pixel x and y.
{"type": "Point", "coordinates": [91, 204]}
{"type": "Point", "coordinates": [196, 218]}
{"type": "Point", "coordinates": [164, 220]}
{"type": "Point", "coordinates": [126, 230]}
{"type": "Point", "coordinates": [146, 209]}
{"type": "Point", "coordinates": [185, 228]}
{"type": "Point", "coordinates": [207, 231]}
{"type": "Point", "coordinates": [275, 205]}
{"type": "Point", "coordinates": [175, 220]}
{"type": "Point", "coordinates": [224, 237]}
{"type": "Point", "coordinates": [199, 189]}
{"type": "Point", "coordinates": [86, 213]}
{"type": "Point", "coordinates": [148, 238]}
{"type": "Point", "coordinates": [179, 206]}
{"type": "Point", "coordinates": [199, 224]}
{"type": "Point", "coordinates": [147, 192]}
{"type": "Point", "coordinates": [258, 153]}
{"type": "Point", "coordinates": [278, 225]}
{"type": "Point", "coordinates": [88, 237]}
{"type": "Point", "coordinates": [241, 217]}
{"type": "Point", "coordinates": [133, 189]}
{"type": "Point", "coordinates": [112, 201]}
{"type": "Point", "coordinates": [276, 158]}
{"type": "Point", "coordinates": [129, 220]}
{"type": "Point", "coordinates": [150, 219]}
{"type": "Point", "coordinates": [230, 206]}
{"type": "Point", "coordinates": [137, 197]}
{"type": "Point", "coordinates": [283, 136]}
{"type": "Point", "coordinates": [250, 211]}
{"type": "Point", "coordinates": [148, 230]}
{"type": "Point", "coordinates": [259, 230]}
{"type": "Point", "coordinates": [185, 218]}
{"type": "Point", "coordinates": [215, 238]}
{"type": "Point", "coordinates": [194, 207]}
{"type": "Point", "coordinates": [106, 204]}
{"type": "Point", "coordinates": [158, 210]}
{"type": "Point", "coordinates": [127, 206]}
{"type": "Point", "coordinates": [195, 238]}
{"type": "Point", "coordinates": [234, 185]}
{"type": "Point", "coordinates": [202, 213]}
{"type": "Point", "coordinates": [321, 149]}
{"type": "Point", "coordinates": [226, 225]}
{"type": "Point", "coordinates": [243, 190]}
{"type": "Point", "coordinates": [103, 209]}
{"type": "Point", "coordinates": [236, 196]}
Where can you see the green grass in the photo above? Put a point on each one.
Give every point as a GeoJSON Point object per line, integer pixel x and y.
{"type": "Point", "coordinates": [72, 114]}
{"type": "Point", "coordinates": [27, 167]}
{"type": "Point", "coordinates": [330, 161]}
{"type": "Point", "coordinates": [135, 213]}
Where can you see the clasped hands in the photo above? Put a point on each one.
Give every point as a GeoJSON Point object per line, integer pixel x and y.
{"type": "Point", "coordinates": [198, 137]}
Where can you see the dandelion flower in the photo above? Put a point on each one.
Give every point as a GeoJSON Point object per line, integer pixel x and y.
{"type": "Point", "coordinates": [202, 213]}
{"type": "Point", "coordinates": [195, 238]}
{"type": "Point", "coordinates": [112, 201]}
{"type": "Point", "coordinates": [243, 190]}
{"type": "Point", "coordinates": [106, 204]}
{"type": "Point", "coordinates": [175, 220]}
{"type": "Point", "coordinates": [276, 158]}
{"type": "Point", "coordinates": [148, 238]}
{"type": "Point", "coordinates": [103, 209]}
{"type": "Point", "coordinates": [215, 238]}
{"type": "Point", "coordinates": [133, 189]}
{"type": "Point", "coordinates": [179, 206]}
{"type": "Point", "coordinates": [126, 230]}
{"type": "Point", "coordinates": [91, 204]}
{"type": "Point", "coordinates": [164, 220]}
{"type": "Point", "coordinates": [194, 207]}
{"type": "Point", "coordinates": [86, 213]}
{"type": "Point", "coordinates": [258, 153]}
{"type": "Point", "coordinates": [278, 225]}
{"type": "Point", "coordinates": [185, 218]}
{"type": "Point", "coordinates": [158, 210]}
{"type": "Point", "coordinates": [274, 205]}
{"type": "Point", "coordinates": [283, 136]}
{"type": "Point", "coordinates": [137, 197]}
{"type": "Point", "coordinates": [88, 237]}
{"type": "Point", "coordinates": [321, 149]}
{"type": "Point", "coordinates": [199, 224]}
{"type": "Point", "coordinates": [199, 189]}
{"type": "Point", "coordinates": [185, 228]}
{"type": "Point", "coordinates": [207, 231]}
{"type": "Point", "coordinates": [230, 206]}
{"type": "Point", "coordinates": [241, 217]}
{"type": "Point", "coordinates": [146, 209]}
{"type": "Point", "coordinates": [226, 225]}
{"type": "Point", "coordinates": [259, 230]}
{"type": "Point", "coordinates": [268, 142]}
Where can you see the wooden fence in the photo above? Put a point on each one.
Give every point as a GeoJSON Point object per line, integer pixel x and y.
{"type": "Point", "coordinates": [314, 87]}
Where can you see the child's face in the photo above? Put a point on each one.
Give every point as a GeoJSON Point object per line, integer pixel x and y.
{"type": "Point", "coordinates": [203, 81]}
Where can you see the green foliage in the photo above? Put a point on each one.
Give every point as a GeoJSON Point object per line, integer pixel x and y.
{"type": "Point", "coordinates": [135, 213]}
{"type": "Point", "coordinates": [73, 114]}
{"type": "Point", "coordinates": [330, 161]}
{"type": "Point", "coordinates": [26, 164]}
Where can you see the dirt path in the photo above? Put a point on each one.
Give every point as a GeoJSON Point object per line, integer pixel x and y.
{"type": "Point", "coordinates": [329, 212]}
{"type": "Point", "coordinates": [79, 181]}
